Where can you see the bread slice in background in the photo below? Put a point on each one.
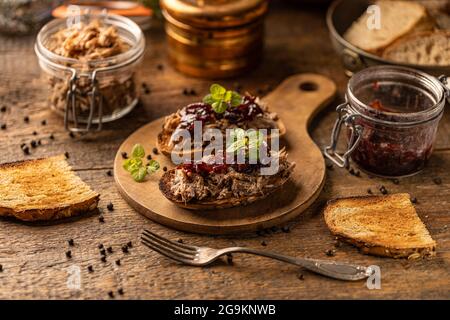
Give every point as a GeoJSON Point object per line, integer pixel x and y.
{"type": "Point", "coordinates": [426, 48]}
{"type": "Point", "coordinates": [380, 225]}
{"type": "Point", "coordinates": [398, 18]}
{"type": "Point", "coordinates": [43, 189]}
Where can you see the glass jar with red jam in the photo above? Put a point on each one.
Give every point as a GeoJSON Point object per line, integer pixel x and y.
{"type": "Point", "coordinates": [391, 115]}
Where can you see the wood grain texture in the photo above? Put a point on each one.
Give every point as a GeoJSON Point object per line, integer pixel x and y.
{"type": "Point", "coordinates": [295, 107]}
{"type": "Point", "coordinates": [33, 256]}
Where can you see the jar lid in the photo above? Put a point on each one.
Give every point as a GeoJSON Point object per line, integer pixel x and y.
{"type": "Point", "coordinates": [215, 13]}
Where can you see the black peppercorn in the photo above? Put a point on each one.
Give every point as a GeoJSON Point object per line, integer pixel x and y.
{"type": "Point", "coordinates": [414, 200]}
{"type": "Point", "coordinates": [103, 258]}
{"type": "Point", "coordinates": [101, 219]}
{"type": "Point", "coordinates": [437, 180]}
{"type": "Point", "coordinates": [71, 134]}
{"type": "Point", "coordinates": [369, 191]}
{"type": "Point", "coordinates": [111, 294]}
{"type": "Point", "coordinates": [300, 276]}
{"type": "Point", "coordinates": [69, 254]}
{"type": "Point", "coordinates": [26, 150]}
{"type": "Point", "coordinates": [330, 252]}
{"type": "Point", "coordinates": [109, 249]}
{"type": "Point", "coordinates": [149, 157]}
{"type": "Point", "coordinates": [155, 150]}
{"type": "Point", "coordinates": [52, 137]}
{"type": "Point", "coordinates": [3, 109]}
{"type": "Point", "coordinates": [1, 268]}
{"type": "Point", "coordinates": [160, 67]}
{"type": "Point", "coordinates": [129, 244]}
{"type": "Point", "coordinates": [3, 126]}
{"type": "Point", "coordinates": [103, 252]}
{"type": "Point", "coordinates": [71, 242]}
{"type": "Point", "coordinates": [33, 144]}
{"type": "Point", "coordinates": [44, 122]}
{"type": "Point", "coordinates": [39, 142]}
{"type": "Point", "coordinates": [124, 249]}
{"type": "Point", "coordinates": [34, 133]}
{"type": "Point", "coordinates": [66, 154]}
{"type": "Point", "coordinates": [180, 240]}
{"type": "Point", "coordinates": [383, 190]}
{"type": "Point", "coordinates": [26, 119]}
{"type": "Point", "coordinates": [164, 168]}
{"type": "Point", "coordinates": [110, 206]}
{"type": "Point", "coordinates": [118, 262]}
{"type": "Point", "coordinates": [109, 173]}
{"type": "Point", "coordinates": [185, 92]}
{"type": "Point", "coordinates": [124, 155]}
{"type": "Point", "coordinates": [90, 269]}
{"type": "Point", "coordinates": [263, 243]}
{"type": "Point", "coordinates": [120, 291]}
{"type": "Point", "coordinates": [192, 92]}
{"type": "Point", "coordinates": [100, 246]}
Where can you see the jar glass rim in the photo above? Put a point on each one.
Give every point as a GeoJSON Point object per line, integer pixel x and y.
{"type": "Point", "coordinates": [432, 84]}
{"type": "Point", "coordinates": [135, 51]}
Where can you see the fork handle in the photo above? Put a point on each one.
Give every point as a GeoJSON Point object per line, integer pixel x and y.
{"type": "Point", "coordinates": [332, 269]}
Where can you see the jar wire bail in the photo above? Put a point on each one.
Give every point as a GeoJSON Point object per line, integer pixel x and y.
{"type": "Point", "coordinates": [347, 117]}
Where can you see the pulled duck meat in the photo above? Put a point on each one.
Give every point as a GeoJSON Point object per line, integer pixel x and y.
{"type": "Point", "coordinates": [88, 44]}
{"type": "Point", "coordinates": [251, 114]}
{"type": "Point", "coordinates": [220, 181]}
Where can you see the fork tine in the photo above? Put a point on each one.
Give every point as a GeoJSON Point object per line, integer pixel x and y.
{"type": "Point", "coordinates": [169, 244]}
{"type": "Point", "coordinates": [180, 255]}
{"type": "Point", "coordinates": [182, 245]}
{"type": "Point", "coordinates": [162, 252]}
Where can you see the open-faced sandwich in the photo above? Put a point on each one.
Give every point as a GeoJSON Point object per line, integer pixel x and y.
{"type": "Point", "coordinates": [208, 185]}
{"type": "Point", "coordinates": [221, 109]}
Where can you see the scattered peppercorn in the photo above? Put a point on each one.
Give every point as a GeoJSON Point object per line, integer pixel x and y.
{"type": "Point", "coordinates": [118, 262]}
{"type": "Point", "coordinates": [34, 133]}
{"type": "Point", "coordinates": [90, 269]}
{"type": "Point", "coordinates": [383, 190]}
{"type": "Point", "coordinates": [26, 150]}
{"type": "Point", "coordinates": [100, 246]}
{"type": "Point", "coordinates": [149, 157]}
{"type": "Point", "coordinates": [52, 137]}
{"type": "Point", "coordinates": [3, 126]}
{"type": "Point", "coordinates": [66, 154]}
{"type": "Point", "coordinates": [155, 150]}
{"type": "Point", "coordinates": [1, 268]}
{"type": "Point", "coordinates": [101, 219]}
{"type": "Point", "coordinates": [413, 200]}
{"type": "Point", "coordinates": [33, 144]}
{"type": "Point", "coordinates": [395, 181]}
{"type": "Point", "coordinates": [71, 134]}
{"type": "Point", "coordinates": [330, 252]}
{"type": "Point", "coordinates": [120, 291]}
{"type": "Point", "coordinates": [103, 252]}
{"type": "Point", "coordinates": [147, 91]}
{"type": "Point", "coordinates": [192, 92]}
{"type": "Point", "coordinates": [437, 180]}
{"type": "Point", "coordinates": [300, 276]}
{"type": "Point", "coordinates": [109, 173]}
{"type": "Point", "coordinates": [263, 243]}
{"type": "Point", "coordinates": [160, 67]}
{"type": "Point", "coordinates": [39, 142]}
{"type": "Point", "coordinates": [110, 250]}
{"type": "Point", "coordinates": [185, 91]}
{"type": "Point", "coordinates": [180, 240]}
{"type": "Point", "coordinates": [44, 122]}
{"type": "Point", "coordinates": [103, 258]}
{"type": "Point", "coordinates": [110, 206]}
{"type": "Point", "coordinates": [26, 119]}
{"type": "Point", "coordinates": [369, 191]}
{"type": "Point", "coordinates": [124, 155]}
{"type": "Point", "coordinates": [111, 294]}
{"type": "Point", "coordinates": [71, 242]}
{"type": "Point", "coordinates": [3, 109]}
{"type": "Point", "coordinates": [164, 168]}
{"type": "Point", "coordinates": [129, 244]}
{"type": "Point", "coordinates": [69, 254]}
{"type": "Point", "coordinates": [124, 249]}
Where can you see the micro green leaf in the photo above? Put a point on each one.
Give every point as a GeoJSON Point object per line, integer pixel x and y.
{"type": "Point", "coordinates": [138, 151]}
{"type": "Point", "coordinates": [132, 164]}
{"type": "Point", "coordinates": [220, 98]}
{"type": "Point", "coordinates": [152, 166]}
{"type": "Point", "coordinates": [139, 174]}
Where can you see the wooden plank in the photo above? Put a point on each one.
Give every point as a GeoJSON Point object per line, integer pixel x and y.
{"type": "Point", "coordinates": [33, 256]}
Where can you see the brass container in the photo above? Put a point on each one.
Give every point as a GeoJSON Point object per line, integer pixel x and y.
{"type": "Point", "coordinates": [214, 38]}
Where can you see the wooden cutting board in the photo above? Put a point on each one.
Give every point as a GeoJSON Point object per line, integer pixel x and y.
{"type": "Point", "coordinates": [296, 100]}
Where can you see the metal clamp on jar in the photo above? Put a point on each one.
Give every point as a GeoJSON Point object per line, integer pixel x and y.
{"type": "Point", "coordinates": [392, 115]}
{"type": "Point", "coordinates": [95, 89]}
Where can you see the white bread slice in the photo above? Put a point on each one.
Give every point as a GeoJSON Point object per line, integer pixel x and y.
{"type": "Point", "coordinates": [43, 189]}
{"type": "Point", "coordinates": [397, 18]}
{"type": "Point", "coordinates": [380, 225]}
{"type": "Point", "coordinates": [427, 48]}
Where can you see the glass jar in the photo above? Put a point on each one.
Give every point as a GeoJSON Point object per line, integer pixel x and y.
{"type": "Point", "coordinates": [20, 17]}
{"type": "Point", "coordinates": [92, 91]}
{"type": "Point", "coordinates": [392, 115]}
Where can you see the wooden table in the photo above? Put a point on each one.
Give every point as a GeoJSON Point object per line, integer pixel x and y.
{"type": "Point", "coordinates": [33, 256]}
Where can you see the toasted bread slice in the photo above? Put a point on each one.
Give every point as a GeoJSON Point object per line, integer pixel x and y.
{"type": "Point", "coordinates": [427, 48]}
{"type": "Point", "coordinates": [43, 189]}
{"type": "Point", "coordinates": [380, 225]}
{"type": "Point", "coordinates": [397, 18]}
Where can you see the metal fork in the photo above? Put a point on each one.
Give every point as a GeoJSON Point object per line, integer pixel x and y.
{"type": "Point", "coordinates": [201, 256]}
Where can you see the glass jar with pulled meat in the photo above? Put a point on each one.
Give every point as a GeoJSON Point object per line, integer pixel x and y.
{"type": "Point", "coordinates": [91, 68]}
{"type": "Point", "coordinates": [392, 116]}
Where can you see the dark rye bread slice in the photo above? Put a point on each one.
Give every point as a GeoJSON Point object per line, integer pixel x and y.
{"type": "Point", "coordinates": [43, 189]}
{"type": "Point", "coordinates": [380, 225]}
{"type": "Point", "coordinates": [210, 204]}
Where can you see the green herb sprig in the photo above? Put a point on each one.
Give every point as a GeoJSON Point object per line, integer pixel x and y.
{"type": "Point", "coordinates": [220, 98]}
{"type": "Point", "coordinates": [248, 143]}
{"type": "Point", "coordinates": [135, 165]}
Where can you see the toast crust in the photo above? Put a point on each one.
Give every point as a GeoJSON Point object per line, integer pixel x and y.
{"type": "Point", "coordinates": [52, 212]}
{"type": "Point", "coordinates": [372, 238]}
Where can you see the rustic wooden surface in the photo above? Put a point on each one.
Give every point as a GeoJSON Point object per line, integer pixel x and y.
{"type": "Point", "coordinates": [298, 194]}
{"type": "Point", "coordinates": [33, 256]}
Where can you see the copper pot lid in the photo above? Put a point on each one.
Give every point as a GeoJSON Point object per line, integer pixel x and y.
{"type": "Point", "coordinates": [215, 13]}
